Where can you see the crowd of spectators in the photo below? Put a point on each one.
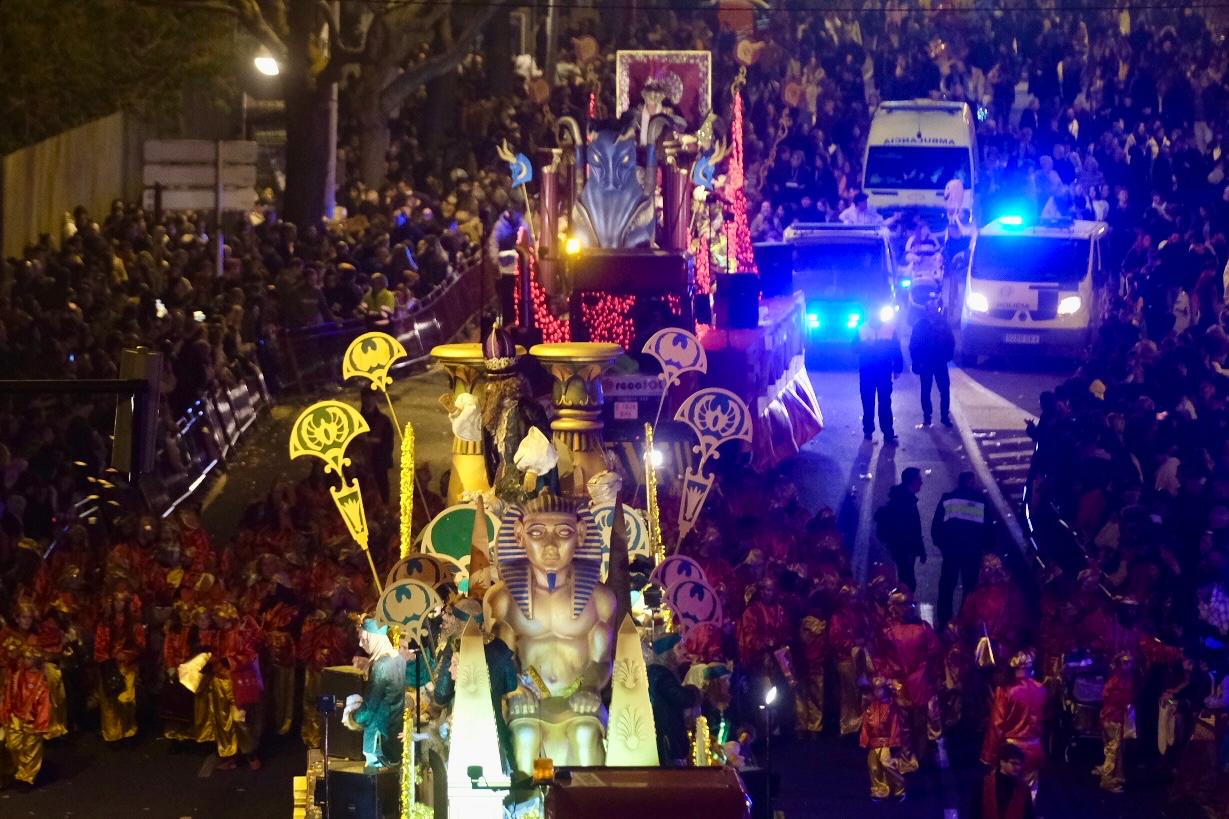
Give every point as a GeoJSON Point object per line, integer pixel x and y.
{"type": "Point", "coordinates": [1109, 114]}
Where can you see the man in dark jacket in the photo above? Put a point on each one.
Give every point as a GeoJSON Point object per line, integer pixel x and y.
{"type": "Point", "coordinates": [963, 529]}
{"type": "Point", "coordinates": [879, 362]}
{"type": "Point", "coordinates": [899, 526]}
{"type": "Point", "coordinates": [931, 347]}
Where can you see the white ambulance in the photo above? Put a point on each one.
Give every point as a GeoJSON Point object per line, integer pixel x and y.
{"type": "Point", "coordinates": [1032, 288]}
{"type": "Point", "coordinates": [914, 151]}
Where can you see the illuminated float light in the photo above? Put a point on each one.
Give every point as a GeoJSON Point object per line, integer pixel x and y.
{"type": "Point", "coordinates": [267, 65]}
{"type": "Point", "coordinates": [571, 246]}
{"type": "Point", "coordinates": [656, 458]}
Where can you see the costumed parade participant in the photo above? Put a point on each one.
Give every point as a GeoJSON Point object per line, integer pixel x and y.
{"type": "Point", "coordinates": [509, 412]}
{"type": "Point", "coordinates": [1004, 794]}
{"type": "Point", "coordinates": [1017, 718]}
{"type": "Point", "coordinates": [379, 711]}
{"type": "Point", "coordinates": [237, 686]}
{"type": "Point", "coordinates": [848, 636]}
{"type": "Point", "coordinates": [554, 613]}
{"type": "Point", "coordinates": [25, 712]}
{"type": "Point", "coordinates": [909, 653]}
{"type": "Point", "coordinates": [671, 701]}
{"type": "Point", "coordinates": [1117, 712]}
{"type": "Point", "coordinates": [885, 736]}
{"type": "Point", "coordinates": [119, 640]}
{"type": "Point", "coordinates": [501, 665]}
{"type": "Point", "coordinates": [323, 642]}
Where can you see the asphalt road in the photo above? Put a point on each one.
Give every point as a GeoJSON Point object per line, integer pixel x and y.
{"type": "Point", "coordinates": [820, 778]}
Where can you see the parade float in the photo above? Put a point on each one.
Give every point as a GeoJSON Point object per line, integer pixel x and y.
{"type": "Point", "coordinates": [505, 669]}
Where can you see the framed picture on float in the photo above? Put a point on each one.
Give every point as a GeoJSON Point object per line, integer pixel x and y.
{"type": "Point", "coordinates": [686, 77]}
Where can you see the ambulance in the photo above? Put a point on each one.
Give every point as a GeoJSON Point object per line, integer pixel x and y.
{"type": "Point", "coordinates": [914, 150]}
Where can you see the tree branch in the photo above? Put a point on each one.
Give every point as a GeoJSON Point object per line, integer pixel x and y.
{"type": "Point", "coordinates": [247, 12]}
{"type": "Point", "coordinates": [414, 76]}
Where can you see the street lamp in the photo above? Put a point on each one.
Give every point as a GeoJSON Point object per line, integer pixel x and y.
{"type": "Point", "coordinates": [770, 696]}
{"type": "Point", "coordinates": [266, 64]}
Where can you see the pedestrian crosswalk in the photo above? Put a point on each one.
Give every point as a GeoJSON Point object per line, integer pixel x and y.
{"type": "Point", "coordinates": [1007, 453]}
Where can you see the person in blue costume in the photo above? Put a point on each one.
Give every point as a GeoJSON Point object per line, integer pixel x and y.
{"type": "Point", "coordinates": [379, 712]}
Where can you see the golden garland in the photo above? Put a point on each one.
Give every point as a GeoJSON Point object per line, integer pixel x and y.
{"type": "Point", "coordinates": [407, 490]}
{"type": "Point", "coordinates": [650, 489]}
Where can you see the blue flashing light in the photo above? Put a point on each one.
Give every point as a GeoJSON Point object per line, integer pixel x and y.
{"type": "Point", "coordinates": [854, 319]}
{"type": "Point", "coordinates": [813, 321]}
{"type": "Point", "coordinates": [1011, 221]}
{"type": "Point", "coordinates": [905, 284]}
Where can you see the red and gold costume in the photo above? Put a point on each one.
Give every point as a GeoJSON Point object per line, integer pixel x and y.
{"type": "Point", "coordinates": [277, 622]}
{"type": "Point", "coordinates": [763, 628]}
{"type": "Point", "coordinates": [909, 653]}
{"type": "Point", "coordinates": [26, 714]}
{"type": "Point", "coordinates": [1017, 716]}
{"type": "Point", "coordinates": [119, 642]}
{"type": "Point", "coordinates": [237, 687]}
{"type": "Point", "coordinates": [885, 735]}
{"type": "Point", "coordinates": [848, 633]}
{"type": "Point", "coordinates": [1117, 699]}
{"type": "Point", "coordinates": [322, 643]}
{"type": "Point", "coordinates": [809, 698]}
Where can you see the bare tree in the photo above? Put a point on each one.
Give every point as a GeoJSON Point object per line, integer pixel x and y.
{"type": "Point", "coordinates": [402, 45]}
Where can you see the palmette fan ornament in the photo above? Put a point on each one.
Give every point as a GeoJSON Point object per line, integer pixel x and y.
{"type": "Point", "coordinates": [677, 351]}
{"type": "Point", "coordinates": [716, 416]}
{"type": "Point", "coordinates": [325, 430]}
{"type": "Point", "coordinates": [371, 356]}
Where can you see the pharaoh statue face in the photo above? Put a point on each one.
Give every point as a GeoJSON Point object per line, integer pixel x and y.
{"type": "Point", "coordinates": [549, 538]}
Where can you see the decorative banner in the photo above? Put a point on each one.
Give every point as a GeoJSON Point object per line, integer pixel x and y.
{"type": "Point", "coordinates": [324, 430]}
{"type": "Point", "coordinates": [694, 602]}
{"type": "Point", "coordinates": [371, 356]}
{"type": "Point", "coordinates": [677, 569]}
{"type": "Point", "coordinates": [716, 416]}
{"type": "Point", "coordinates": [695, 490]}
{"type": "Point", "coordinates": [637, 532]}
{"type": "Point", "coordinates": [429, 569]}
{"type": "Point", "coordinates": [451, 532]}
{"type": "Point", "coordinates": [407, 603]}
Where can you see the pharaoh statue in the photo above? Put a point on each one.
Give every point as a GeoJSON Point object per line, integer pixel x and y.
{"type": "Point", "coordinates": [556, 615]}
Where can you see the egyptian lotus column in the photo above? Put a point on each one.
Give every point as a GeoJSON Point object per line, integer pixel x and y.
{"type": "Point", "coordinates": [577, 393]}
{"type": "Point", "coordinates": [463, 363]}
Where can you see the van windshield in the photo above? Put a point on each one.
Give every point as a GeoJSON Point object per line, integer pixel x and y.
{"type": "Point", "coordinates": [1031, 259]}
{"type": "Point", "coordinates": [919, 167]}
{"type": "Point", "coordinates": [842, 270]}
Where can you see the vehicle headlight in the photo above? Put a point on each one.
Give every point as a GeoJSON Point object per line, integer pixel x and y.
{"type": "Point", "coordinates": [1069, 305]}
{"type": "Point", "coordinates": [886, 313]}
{"type": "Point", "coordinates": [977, 302]}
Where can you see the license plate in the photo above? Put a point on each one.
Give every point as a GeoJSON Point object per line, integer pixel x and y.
{"type": "Point", "coordinates": [626, 410]}
{"type": "Point", "coordinates": [1022, 338]}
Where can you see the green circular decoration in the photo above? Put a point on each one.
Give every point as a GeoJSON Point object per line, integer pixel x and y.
{"type": "Point", "coordinates": [449, 533]}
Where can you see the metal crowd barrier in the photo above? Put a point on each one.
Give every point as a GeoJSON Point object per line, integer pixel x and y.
{"type": "Point", "coordinates": [311, 356]}
{"type": "Point", "coordinates": [191, 447]}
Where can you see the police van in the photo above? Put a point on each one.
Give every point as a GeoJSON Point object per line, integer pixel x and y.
{"type": "Point", "coordinates": [914, 150]}
{"type": "Point", "coordinates": [1032, 288]}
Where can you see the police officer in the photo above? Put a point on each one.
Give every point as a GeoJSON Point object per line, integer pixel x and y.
{"type": "Point", "coordinates": [879, 362]}
{"type": "Point", "coordinates": [963, 530]}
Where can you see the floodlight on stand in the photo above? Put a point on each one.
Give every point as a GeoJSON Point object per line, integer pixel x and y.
{"type": "Point", "coordinates": [770, 696]}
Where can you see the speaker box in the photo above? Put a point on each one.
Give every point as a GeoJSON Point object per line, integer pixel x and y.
{"type": "Point", "coordinates": [598, 793]}
{"type": "Point", "coordinates": [776, 263]}
{"type": "Point", "coordinates": [737, 301]}
{"type": "Point", "coordinates": [356, 792]}
{"type": "Point", "coordinates": [630, 270]}
{"type": "Point", "coordinates": [341, 681]}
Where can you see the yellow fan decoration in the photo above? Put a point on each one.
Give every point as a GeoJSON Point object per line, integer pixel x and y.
{"type": "Point", "coordinates": [325, 430]}
{"type": "Point", "coordinates": [371, 356]}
